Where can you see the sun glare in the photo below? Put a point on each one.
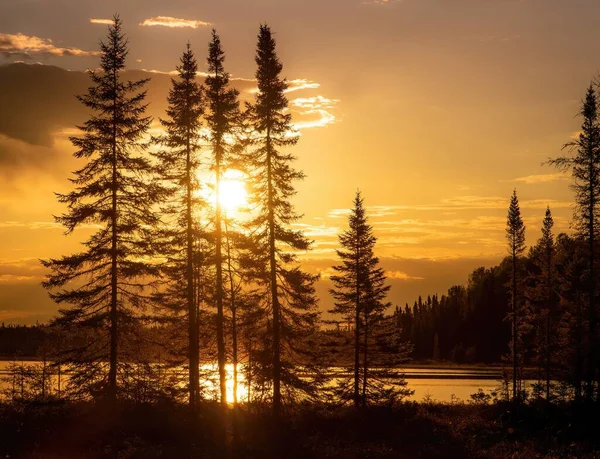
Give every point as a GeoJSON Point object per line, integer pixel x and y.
{"type": "Point", "coordinates": [232, 192]}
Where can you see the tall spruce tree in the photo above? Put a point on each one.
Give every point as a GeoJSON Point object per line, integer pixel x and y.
{"type": "Point", "coordinates": [541, 296]}
{"type": "Point", "coordinates": [585, 171]}
{"type": "Point", "coordinates": [288, 292]}
{"type": "Point", "coordinates": [223, 119]}
{"type": "Point", "coordinates": [360, 292]}
{"type": "Point", "coordinates": [179, 163]}
{"type": "Point", "coordinates": [103, 284]}
{"type": "Point", "coordinates": [547, 268]}
{"type": "Point", "coordinates": [515, 234]}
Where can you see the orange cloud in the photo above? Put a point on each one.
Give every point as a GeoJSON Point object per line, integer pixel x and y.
{"type": "Point", "coordinates": [541, 178]}
{"type": "Point", "coordinates": [167, 21]}
{"type": "Point", "coordinates": [25, 45]}
{"type": "Point", "coordinates": [401, 275]}
{"type": "Point", "coordinates": [101, 21]}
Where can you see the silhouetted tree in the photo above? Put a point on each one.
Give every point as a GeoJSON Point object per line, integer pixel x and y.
{"type": "Point", "coordinates": [543, 294]}
{"type": "Point", "coordinates": [222, 120]}
{"type": "Point", "coordinates": [103, 284]}
{"type": "Point", "coordinates": [515, 234]}
{"type": "Point", "coordinates": [179, 163]}
{"type": "Point", "coordinates": [585, 170]}
{"type": "Point", "coordinates": [288, 291]}
{"type": "Point", "coordinates": [360, 293]}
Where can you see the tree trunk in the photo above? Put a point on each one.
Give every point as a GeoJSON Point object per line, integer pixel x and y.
{"type": "Point", "coordinates": [548, 324]}
{"type": "Point", "coordinates": [273, 280]}
{"type": "Point", "coordinates": [357, 333]}
{"type": "Point", "coordinates": [193, 342]}
{"type": "Point", "coordinates": [234, 343]}
{"type": "Point", "coordinates": [365, 354]}
{"type": "Point", "coordinates": [514, 323]}
{"type": "Point", "coordinates": [112, 372]}
{"type": "Point", "coordinates": [579, 352]}
{"type": "Point", "coordinates": [219, 263]}
{"type": "Point", "coordinates": [591, 293]}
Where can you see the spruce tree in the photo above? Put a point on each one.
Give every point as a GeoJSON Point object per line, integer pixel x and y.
{"type": "Point", "coordinates": [222, 121]}
{"type": "Point", "coordinates": [585, 171]}
{"type": "Point", "coordinates": [288, 292]}
{"type": "Point", "coordinates": [515, 234]}
{"type": "Point", "coordinates": [179, 163]}
{"type": "Point", "coordinates": [102, 286]}
{"type": "Point", "coordinates": [360, 298]}
{"type": "Point", "coordinates": [541, 297]}
{"type": "Point", "coordinates": [548, 278]}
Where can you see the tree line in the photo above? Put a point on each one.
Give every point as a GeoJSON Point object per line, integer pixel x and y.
{"type": "Point", "coordinates": [542, 304]}
{"type": "Point", "coordinates": [170, 283]}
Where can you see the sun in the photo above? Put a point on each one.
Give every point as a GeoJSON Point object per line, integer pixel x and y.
{"type": "Point", "coordinates": [233, 195]}
{"type": "Point", "coordinates": [232, 192]}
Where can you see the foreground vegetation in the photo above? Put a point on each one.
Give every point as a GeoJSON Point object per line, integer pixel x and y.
{"type": "Point", "coordinates": [165, 429]}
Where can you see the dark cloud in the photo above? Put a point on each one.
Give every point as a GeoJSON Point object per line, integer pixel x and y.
{"type": "Point", "coordinates": [38, 100]}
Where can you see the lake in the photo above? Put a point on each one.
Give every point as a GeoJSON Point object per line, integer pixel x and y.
{"type": "Point", "coordinates": [436, 383]}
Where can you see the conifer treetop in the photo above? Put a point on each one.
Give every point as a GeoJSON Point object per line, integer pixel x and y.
{"type": "Point", "coordinates": [515, 228]}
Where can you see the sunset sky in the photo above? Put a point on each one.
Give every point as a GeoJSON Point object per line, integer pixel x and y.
{"type": "Point", "coordinates": [435, 109]}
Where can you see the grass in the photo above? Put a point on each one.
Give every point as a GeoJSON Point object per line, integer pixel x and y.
{"type": "Point", "coordinates": [167, 429]}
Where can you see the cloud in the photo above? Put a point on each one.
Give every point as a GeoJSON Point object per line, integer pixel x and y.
{"type": "Point", "coordinates": [30, 225]}
{"type": "Point", "coordinates": [101, 21]}
{"type": "Point", "coordinates": [26, 46]}
{"type": "Point", "coordinates": [317, 230]}
{"type": "Point", "coordinates": [401, 275]}
{"type": "Point", "coordinates": [381, 2]}
{"type": "Point", "coordinates": [167, 21]}
{"type": "Point", "coordinates": [309, 112]}
{"type": "Point", "coordinates": [312, 103]}
{"type": "Point", "coordinates": [21, 270]}
{"type": "Point", "coordinates": [297, 84]}
{"type": "Point", "coordinates": [496, 202]}
{"type": "Point", "coordinates": [541, 178]}
{"type": "Point", "coordinates": [313, 111]}
{"type": "Point", "coordinates": [301, 83]}
{"type": "Point", "coordinates": [454, 203]}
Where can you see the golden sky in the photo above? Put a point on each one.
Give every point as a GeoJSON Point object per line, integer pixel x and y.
{"type": "Point", "coordinates": [435, 109]}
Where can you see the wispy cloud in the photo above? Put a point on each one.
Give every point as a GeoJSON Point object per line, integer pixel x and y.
{"type": "Point", "coordinates": [311, 107]}
{"type": "Point", "coordinates": [101, 21]}
{"type": "Point", "coordinates": [381, 2]}
{"type": "Point", "coordinates": [26, 46]}
{"type": "Point", "coordinates": [456, 203]}
{"type": "Point", "coordinates": [315, 102]}
{"type": "Point", "coordinates": [30, 225]}
{"type": "Point", "coordinates": [178, 23]}
{"type": "Point", "coordinates": [317, 230]}
{"type": "Point", "coordinates": [301, 83]}
{"type": "Point", "coordinates": [297, 84]}
{"type": "Point", "coordinates": [401, 275]}
{"type": "Point", "coordinates": [20, 270]}
{"type": "Point", "coordinates": [541, 178]}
